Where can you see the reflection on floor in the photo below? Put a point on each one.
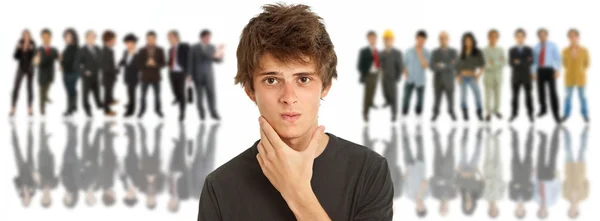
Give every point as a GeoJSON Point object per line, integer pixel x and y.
{"type": "Point", "coordinates": [94, 168]}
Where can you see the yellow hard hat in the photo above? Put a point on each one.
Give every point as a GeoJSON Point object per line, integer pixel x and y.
{"type": "Point", "coordinates": [388, 34]}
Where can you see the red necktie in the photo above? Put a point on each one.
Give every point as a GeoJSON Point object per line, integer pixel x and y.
{"type": "Point", "coordinates": [542, 193]}
{"type": "Point", "coordinates": [376, 58]}
{"type": "Point", "coordinates": [172, 58]}
{"type": "Point", "coordinates": [542, 55]}
{"type": "Point", "coordinates": [48, 51]}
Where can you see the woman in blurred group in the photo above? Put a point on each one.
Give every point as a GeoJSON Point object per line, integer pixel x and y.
{"type": "Point", "coordinates": [24, 54]}
{"type": "Point", "coordinates": [469, 69]}
{"type": "Point", "coordinates": [69, 68]}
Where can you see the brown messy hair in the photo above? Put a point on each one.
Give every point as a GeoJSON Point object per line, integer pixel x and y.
{"type": "Point", "coordinates": [288, 33]}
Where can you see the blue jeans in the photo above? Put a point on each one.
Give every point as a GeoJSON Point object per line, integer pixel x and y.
{"type": "Point", "coordinates": [582, 147]}
{"type": "Point", "coordinates": [582, 101]}
{"type": "Point", "coordinates": [70, 80]}
{"type": "Point", "coordinates": [469, 82]}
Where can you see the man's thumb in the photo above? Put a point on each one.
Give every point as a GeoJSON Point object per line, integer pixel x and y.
{"type": "Point", "coordinates": [313, 145]}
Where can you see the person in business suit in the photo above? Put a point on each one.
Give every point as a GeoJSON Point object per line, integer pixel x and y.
{"type": "Point", "coordinates": [130, 173]}
{"type": "Point", "coordinates": [369, 70]}
{"type": "Point", "coordinates": [442, 64]}
{"type": "Point", "coordinates": [69, 172]}
{"type": "Point", "coordinates": [576, 61]}
{"type": "Point", "coordinates": [576, 187]}
{"type": "Point", "coordinates": [46, 57]}
{"type": "Point", "coordinates": [520, 58]}
{"type": "Point", "coordinates": [546, 65]}
{"type": "Point", "coordinates": [131, 76]}
{"type": "Point", "coordinates": [391, 155]}
{"type": "Point", "coordinates": [69, 63]}
{"type": "Point", "coordinates": [48, 179]}
{"type": "Point", "coordinates": [26, 181]}
{"type": "Point", "coordinates": [492, 79]}
{"type": "Point", "coordinates": [547, 186]}
{"type": "Point", "coordinates": [150, 61]}
{"type": "Point", "coordinates": [201, 58]}
{"type": "Point", "coordinates": [204, 158]}
{"type": "Point", "coordinates": [89, 170]}
{"type": "Point", "coordinates": [178, 64]}
{"type": "Point", "coordinates": [109, 166]}
{"type": "Point", "coordinates": [24, 53]}
{"type": "Point", "coordinates": [391, 67]}
{"type": "Point", "coordinates": [109, 70]}
{"type": "Point", "coordinates": [179, 171]}
{"type": "Point", "coordinates": [520, 187]}
{"type": "Point", "coordinates": [442, 183]}
{"type": "Point", "coordinates": [152, 178]}
{"type": "Point", "coordinates": [90, 67]}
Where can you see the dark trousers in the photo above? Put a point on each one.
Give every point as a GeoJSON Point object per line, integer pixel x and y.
{"type": "Point", "coordinates": [44, 89]}
{"type": "Point", "coordinates": [210, 96]}
{"type": "Point", "coordinates": [516, 87]}
{"type": "Point", "coordinates": [108, 95]}
{"type": "Point", "coordinates": [408, 89]}
{"type": "Point", "coordinates": [546, 78]}
{"type": "Point", "coordinates": [177, 80]}
{"type": "Point", "coordinates": [70, 80]}
{"type": "Point", "coordinates": [91, 85]}
{"type": "Point", "coordinates": [370, 86]}
{"type": "Point", "coordinates": [156, 88]}
{"type": "Point", "coordinates": [448, 91]}
{"type": "Point", "coordinates": [17, 86]}
{"type": "Point", "coordinates": [131, 98]}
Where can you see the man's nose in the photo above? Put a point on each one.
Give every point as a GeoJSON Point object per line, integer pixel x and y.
{"type": "Point", "coordinates": [289, 94]}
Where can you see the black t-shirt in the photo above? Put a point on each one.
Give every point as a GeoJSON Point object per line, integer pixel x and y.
{"type": "Point", "coordinates": [351, 182]}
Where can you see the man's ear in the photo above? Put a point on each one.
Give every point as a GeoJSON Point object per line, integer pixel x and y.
{"type": "Point", "coordinates": [250, 93]}
{"type": "Point", "coordinates": [325, 90]}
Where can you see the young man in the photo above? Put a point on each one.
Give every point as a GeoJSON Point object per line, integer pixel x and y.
{"type": "Point", "coordinates": [178, 58]}
{"type": "Point", "coordinates": [46, 57]}
{"type": "Point", "coordinates": [576, 61]}
{"type": "Point", "coordinates": [520, 59]}
{"type": "Point", "coordinates": [391, 66]}
{"type": "Point", "coordinates": [295, 171]}
{"type": "Point", "coordinates": [201, 58]}
{"type": "Point", "coordinates": [151, 59]}
{"type": "Point", "coordinates": [369, 69]}
{"type": "Point", "coordinates": [546, 65]}
{"type": "Point", "coordinates": [492, 79]}
{"type": "Point", "coordinates": [90, 65]}
{"type": "Point", "coordinates": [109, 70]}
{"type": "Point", "coordinates": [442, 64]}
{"type": "Point", "coordinates": [131, 76]}
{"type": "Point", "coordinates": [416, 62]}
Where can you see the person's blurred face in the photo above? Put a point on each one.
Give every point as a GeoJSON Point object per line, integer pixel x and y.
{"type": "Point", "coordinates": [469, 42]}
{"type": "Point", "coordinates": [46, 38]}
{"type": "Point", "coordinates": [68, 38]}
{"type": "Point", "coordinates": [151, 40]}
{"type": "Point", "coordinates": [288, 95]}
{"type": "Point", "coordinates": [389, 42]}
{"type": "Point", "coordinates": [111, 43]}
{"type": "Point", "coordinates": [90, 38]}
{"type": "Point", "coordinates": [520, 37]}
{"type": "Point", "coordinates": [444, 39]}
{"type": "Point", "coordinates": [26, 36]}
{"type": "Point", "coordinates": [543, 35]}
{"type": "Point", "coordinates": [493, 37]}
{"type": "Point", "coordinates": [444, 208]}
{"type": "Point", "coordinates": [130, 45]}
{"type": "Point", "coordinates": [372, 40]}
{"type": "Point", "coordinates": [172, 39]}
{"type": "Point", "coordinates": [421, 41]}
{"type": "Point", "coordinates": [205, 39]}
{"type": "Point", "coordinates": [573, 38]}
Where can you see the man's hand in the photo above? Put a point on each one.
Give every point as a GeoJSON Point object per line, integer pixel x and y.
{"type": "Point", "coordinates": [151, 62]}
{"type": "Point", "coordinates": [533, 77]}
{"type": "Point", "coordinates": [88, 73]}
{"type": "Point", "coordinates": [459, 79]}
{"type": "Point", "coordinates": [556, 74]}
{"type": "Point", "coordinates": [491, 61]}
{"type": "Point", "coordinates": [516, 61]}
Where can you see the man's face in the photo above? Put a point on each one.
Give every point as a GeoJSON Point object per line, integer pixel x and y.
{"type": "Point", "coordinates": [372, 40]}
{"type": "Point", "coordinates": [151, 40]}
{"type": "Point", "coordinates": [543, 36]}
{"type": "Point", "coordinates": [205, 39]}
{"type": "Point", "coordinates": [111, 43]}
{"type": "Point", "coordinates": [520, 37]}
{"type": "Point", "coordinates": [46, 38]}
{"type": "Point", "coordinates": [130, 45]}
{"type": "Point", "coordinates": [573, 38]}
{"type": "Point", "coordinates": [420, 41]}
{"type": "Point", "coordinates": [90, 38]}
{"type": "Point", "coordinates": [444, 39]}
{"type": "Point", "coordinates": [389, 42]}
{"type": "Point", "coordinates": [172, 39]}
{"type": "Point", "coordinates": [493, 37]}
{"type": "Point", "coordinates": [288, 95]}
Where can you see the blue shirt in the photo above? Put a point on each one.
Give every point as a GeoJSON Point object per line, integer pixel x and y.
{"type": "Point", "coordinates": [551, 56]}
{"type": "Point", "coordinates": [416, 74]}
{"type": "Point", "coordinates": [552, 190]}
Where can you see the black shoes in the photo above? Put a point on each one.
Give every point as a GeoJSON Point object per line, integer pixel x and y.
{"type": "Point", "coordinates": [434, 117]}
{"type": "Point", "coordinates": [480, 114]}
{"type": "Point", "coordinates": [465, 114]}
{"type": "Point", "coordinates": [498, 115]}
{"type": "Point", "coordinates": [453, 116]}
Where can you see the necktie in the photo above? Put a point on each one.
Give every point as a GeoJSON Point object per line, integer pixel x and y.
{"type": "Point", "coordinates": [376, 58]}
{"type": "Point", "coordinates": [542, 55]}
{"type": "Point", "coordinates": [172, 58]}
{"type": "Point", "coordinates": [48, 51]}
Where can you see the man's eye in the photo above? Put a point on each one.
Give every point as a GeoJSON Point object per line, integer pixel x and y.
{"type": "Point", "coordinates": [304, 80]}
{"type": "Point", "coordinates": [271, 80]}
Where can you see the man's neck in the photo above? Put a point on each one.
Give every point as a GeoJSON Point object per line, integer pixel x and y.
{"type": "Point", "coordinates": [91, 45]}
{"type": "Point", "coordinates": [444, 46]}
{"type": "Point", "coordinates": [300, 143]}
{"type": "Point", "coordinates": [493, 45]}
{"type": "Point", "coordinates": [46, 45]}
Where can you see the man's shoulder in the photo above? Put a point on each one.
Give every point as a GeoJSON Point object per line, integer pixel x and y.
{"type": "Point", "coordinates": [242, 164]}
{"type": "Point", "coordinates": [355, 152]}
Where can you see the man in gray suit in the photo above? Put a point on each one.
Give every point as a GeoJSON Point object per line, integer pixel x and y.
{"type": "Point", "coordinates": [442, 64]}
{"type": "Point", "coordinates": [201, 58]}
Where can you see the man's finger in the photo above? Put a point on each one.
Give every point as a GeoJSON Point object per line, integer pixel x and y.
{"type": "Point", "coordinates": [260, 161]}
{"type": "Point", "coordinates": [313, 145]}
{"type": "Point", "coordinates": [264, 142]}
{"type": "Point", "coordinates": [270, 133]}
{"type": "Point", "coordinates": [261, 148]}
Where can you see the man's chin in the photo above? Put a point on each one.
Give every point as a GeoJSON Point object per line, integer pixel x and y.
{"type": "Point", "coordinates": [289, 132]}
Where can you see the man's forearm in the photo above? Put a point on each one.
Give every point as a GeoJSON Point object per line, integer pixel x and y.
{"type": "Point", "coordinates": [306, 207]}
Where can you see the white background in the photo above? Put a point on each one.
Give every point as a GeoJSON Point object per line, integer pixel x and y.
{"type": "Point", "coordinates": [347, 23]}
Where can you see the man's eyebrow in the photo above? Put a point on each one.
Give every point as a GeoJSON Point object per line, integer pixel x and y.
{"type": "Point", "coordinates": [270, 73]}
{"type": "Point", "coordinates": [303, 74]}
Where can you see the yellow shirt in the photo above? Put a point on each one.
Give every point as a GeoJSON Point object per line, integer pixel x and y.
{"type": "Point", "coordinates": [575, 66]}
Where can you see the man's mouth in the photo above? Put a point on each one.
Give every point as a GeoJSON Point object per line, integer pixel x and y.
{"type": "Point", "coordinates": [290, 116]}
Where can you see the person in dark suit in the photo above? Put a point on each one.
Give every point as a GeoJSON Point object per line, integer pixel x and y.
{"type": "Point", "coordinates": [24, 54]}
{"type": "Point", "coordinates": [201, 58]}
{"type": "Point", "coordinates": [109, 70]}
{"type": "Point", "coordinates": [521, 59]}
{"type": "Point", "coordinates": [131, 76]}
{"type": "Point", "coordinates": [109, 166]}
{"type": "Point", "coordinates": [48, 179]}
{"type": "Point", "coordinates": [69, 62]}
{"type": "Point", "coordinates": [46, 57]}
{"type": "Point", "coordinates": [152, 178]}
{"type": "Point", "coordinates": [90, 166]}
{"type": "Point", "coordinates": [26, 180]}
{"type": "Point", "coordinates": [520, 189]}
{"type": "Point", "coordinates": [442, 64]}
{"type": "Point", "coordinates": [179, 171]}
{"type": "Point", "coordinates": [151, 59]}
{"type": "Point", "coordinates": [69, 173]}
{"type": "Point", "coordinates": [369, 69]}
{"type": "Point", "coordinates": [178, 64]}
{"type": "Point", "coordinates": [89, 67]}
